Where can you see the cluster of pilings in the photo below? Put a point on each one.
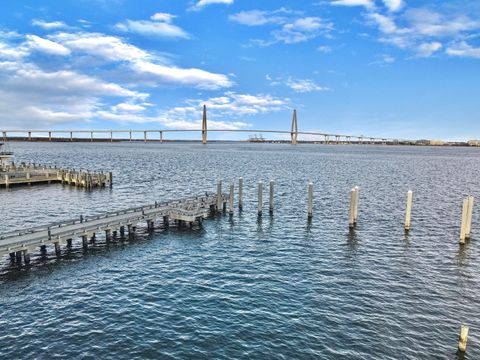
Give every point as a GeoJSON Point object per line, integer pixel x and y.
{"type": "Point", "coordinates": [29, 174]}
{"type": "Point", "coordinates": [466, 219]}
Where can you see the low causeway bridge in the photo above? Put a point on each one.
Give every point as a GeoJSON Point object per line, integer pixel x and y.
{"type": "Point", "coordinates": [184, 212]}
{"type": "Point", "coordinates": [108, 135]}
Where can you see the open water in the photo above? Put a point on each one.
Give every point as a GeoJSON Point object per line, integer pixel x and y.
{"type": "Point", "coordinates": [241, 287]}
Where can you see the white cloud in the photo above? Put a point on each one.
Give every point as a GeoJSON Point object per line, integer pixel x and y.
{"type": "Point", "coordinates": [165, 17]}
{"type": "Point", "coordinates": [104, 46]}
{"type": "Point", "coordinates": [304, 85]}
{"type": "Point", "coordinates": [393, 5]}
{"type": "Point", "coordinates": [160, 26]}
{"type": "Point", "coordinates": [428, 49]}
{"type": "Point", "coordinates": [324, 49]}
{"type": "Point", "coordinates": [365, 3]}
{"type": "Point", "coordinates": [37, 43]}
{"type": "Point", "coordinates": [191, 77]}
{"type": "Point", "coordinates": [30, 96]}
{"type": "Point", "coordinates": [145, 65]}
{"type": "Point", "coordinates": [128, 107]}
{"type": "Point", "coordinates": [463, 49]}
{"type": "Point", "coordinates": [8, 52]}
{"type": "Point", "coordinates": [202, 3]}
{"type": "Point", "coordinates": [255, 18]}
{"type": "Point", "coordinates": [292, 27]}
{"type": "Point", "coordinates": [49, 25]}
{"type": "Point", "coordinates": [422, 31]}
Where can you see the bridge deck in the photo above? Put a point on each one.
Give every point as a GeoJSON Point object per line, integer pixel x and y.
{"type": "Point", "coordinates": [188, 210]}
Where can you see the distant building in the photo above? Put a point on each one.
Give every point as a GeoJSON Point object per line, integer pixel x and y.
{"type": "Point", "coordinates": [437, 142]}
{"type": "Point", "coordinates": [474, 142]}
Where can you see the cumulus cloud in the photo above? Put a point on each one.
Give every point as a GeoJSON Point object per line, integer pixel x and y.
{"type": "Point", "coordinates": [365, 3]}
{"type": "Point", "coordinates": [304, 85]}
{"type": "Point", "coordinates": [393, 5]}
{"type": "Point", "coordinates": [290, 26]}
{"type": "Point", "coordinates": [202, 3]}
{"type": "Point", "coordinates": [46, 25]}
{"type": "Point", "coordinates": [421, 31]}
{"type": "Point", "coordinates": [37, 43]}
{"type": "Point", "coordinates": [463, 49]}
{"type": "Point", "coordinates": [159, 25]}
{"type": "Point", "coordinates": [145, 66]}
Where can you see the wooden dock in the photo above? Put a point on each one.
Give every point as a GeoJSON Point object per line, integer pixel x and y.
{"type": "Point", "coordinates": [29, 174]}
{"type": "Point", "coordinates": [183, 212]}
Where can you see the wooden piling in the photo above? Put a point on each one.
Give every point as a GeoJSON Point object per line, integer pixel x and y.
{"type": "Point", "coordinates": [463, 338]}
{"type": "Point", "coordinates": [270, 207]}
{"type": "Point", "coordinates": [470, 201]}
{"type": "Point", "coordinates": [230, 205]}
{"type": "Point", "coordinates": [409, 210]}
{"type": "Point", "coordinates": [240, 193]}
{"type": "Point", "coordinates": [310, 201]}
{"type": "Point", "coordinates": [463, 225]}
{"type": "Point", "coordinates": [355, 214]}
{"type": "Point", "coordinates": [351, 213]}
{"type": "Point", "coordinates": [84, 241]}
{"type": "Point", "coordinates": [260, 198]}
{"type": "Point", "coordinates": [219, 195]}
{"type": "Point", "coordinates": [26, 256]}
{"type": "Point", "coordinates": [57, 248]}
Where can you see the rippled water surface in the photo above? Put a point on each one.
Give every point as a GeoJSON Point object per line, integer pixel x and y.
{"type": "Point", "coordinates": [240, 287]}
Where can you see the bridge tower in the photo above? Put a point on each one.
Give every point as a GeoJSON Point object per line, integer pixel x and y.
{"type": "Point", "coordinates": [204, 125]}
{"type": "Point", "coordinates": [294, 132]}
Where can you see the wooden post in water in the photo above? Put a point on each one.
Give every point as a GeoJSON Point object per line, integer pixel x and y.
{"type": "Point", "coordinates": [270, 208]}
{"type": "Point", "coordinates": [310, 201]}
{"type": "Point", "coordinates": [91, 136]}
{"type": "Point", "coordinates": [145, 136]}
{"type": "Point", "coordinates": [409, 210]}
{"type": "Point", "coordinates": [462, 339]}
{"type": "Point", "coordinates": [161, 136]}
{"type": "Point", "coordinates": [71, 135]}
{"type": "Point", "coordinates": [204, 125]}
{"type": "Point", "coordinates": [130, 132]}
{"type": "Point", "coordinates": [355, 215]}
{"type": "Point", "coordinates": [219, 195]}
{"type": "Point", "coordinates": [7, 181]}
{"type": "Point", "coordinates": [230, 204]}
{"type": "Point", "coordinates": [240, 193]}
{"type": "Point", "coordinates": [470, 201]}
{"type": "Point", "coordinates": [260, 198]}
{"type": "Point", "coordinates": [463, 225]}
{"type": "Point", "coordinates": [351, 212]}
{"type": "Point", "coordinates": [111, 136]}
{"type": "Point", "coordinates": [49, 136]}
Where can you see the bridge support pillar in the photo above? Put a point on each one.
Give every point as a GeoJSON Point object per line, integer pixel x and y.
{"type": "Point", "coordinates": [49, 136]}
{"type": "Point", "coordinates": [204, 125]}
{"type": "Point", "coordinates": [29, 136]}
{"type": "Point", "coordinates": [294, 131]}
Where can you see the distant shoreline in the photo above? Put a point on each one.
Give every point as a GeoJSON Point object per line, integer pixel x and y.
{"type": "Point", "coordinates": [266, 141]}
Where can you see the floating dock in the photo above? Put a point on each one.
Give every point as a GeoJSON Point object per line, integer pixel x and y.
{"type": "Point", "coordinates": [183, 212]}
{"type": "Point", "coordinates": [29, 174]}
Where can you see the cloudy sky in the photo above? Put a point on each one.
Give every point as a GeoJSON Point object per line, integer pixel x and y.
{"type": "Point", "coordinates": [393, 68]}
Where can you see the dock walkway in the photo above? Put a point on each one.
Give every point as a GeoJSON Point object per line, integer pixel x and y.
{"type": "Point", "coordinates": [183, 212]}
{"type": "Point", "coordinates": [28, 174]}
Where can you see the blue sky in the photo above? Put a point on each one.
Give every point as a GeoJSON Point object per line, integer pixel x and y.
{"type": "Point", "coordinates": [390, 68]}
